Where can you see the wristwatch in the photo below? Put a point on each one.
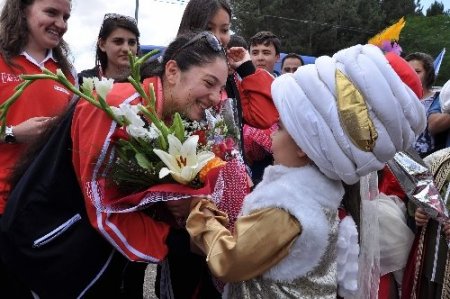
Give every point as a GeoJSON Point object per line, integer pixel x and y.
{"type": "Point", "coordinates": [9, 135]}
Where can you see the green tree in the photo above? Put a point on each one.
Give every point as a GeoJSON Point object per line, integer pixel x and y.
{"type": "Point", "coordinates": [419, 9]}
{"type": "Point", "coordinates": [395, 9]}
{"type": "Point", "coordinates": [322, 27]}
{"type": "Point", "coordinates": [372, 15]}
{"type": "Point", "coordinates": [310, 27]}
{"type": "Point", "coordinates": [429, 35]}
{"type": "Point", "coordinates": [435, 9]}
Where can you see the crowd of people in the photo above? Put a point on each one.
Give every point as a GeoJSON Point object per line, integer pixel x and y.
{"type": "Point", "coordinates": [291, 218]}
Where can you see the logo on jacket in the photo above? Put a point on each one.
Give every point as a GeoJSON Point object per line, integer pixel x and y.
{"type": "Point", "coordinates": [61, 89]}
{"type": "Point", "coordinates": [8, 78]}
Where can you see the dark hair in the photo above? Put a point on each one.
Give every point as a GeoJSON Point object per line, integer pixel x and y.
{"type": "Point", "coordinates": [428, 65]}
{"type": "Point", "coordinates": [266, 38]}
{"type": "Point", "coordinates": [237, 41]}
{"type": "Point", "coordinates": [14, 35]}
{"type": "Point", "coordinates": [198, 14]}
{"type": "Point", "coordinates": [186, 53]}
{"type": "Point", "coordinates": [291, 55]}
{"type": "Point", "coordinates": [111, 22]}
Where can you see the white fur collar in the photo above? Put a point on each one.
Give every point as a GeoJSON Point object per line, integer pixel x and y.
{"type": "Point", "coordinates": [304, 193]}
{"type": "Point", "coordinates": [291, 179]}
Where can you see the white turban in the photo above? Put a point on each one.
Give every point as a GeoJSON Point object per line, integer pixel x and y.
{"type": "Point", "coordinates": [308, 102]}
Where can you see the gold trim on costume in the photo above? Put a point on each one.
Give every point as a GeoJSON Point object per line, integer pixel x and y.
{"type": "Point", "coordinates": [418, 262]}
{"type": "Point", "coordinates": [440, 170]}
{"type": "Point", "coordinates": [354, 114]}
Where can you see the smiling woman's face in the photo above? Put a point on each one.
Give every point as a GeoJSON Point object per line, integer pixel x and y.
{"type": "Point", "coordinates": [196, 89]}
{"type": "Point", "coordinates": [47, 23]}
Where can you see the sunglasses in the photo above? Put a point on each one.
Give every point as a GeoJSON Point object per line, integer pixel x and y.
{"type": "Point", "coordinates": [118, 17]}
{"type": "Point", "coordinates": [211, 40]}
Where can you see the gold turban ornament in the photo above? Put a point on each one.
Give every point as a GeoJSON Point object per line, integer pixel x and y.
{"type": "Point", "coordinates": [354, 114]}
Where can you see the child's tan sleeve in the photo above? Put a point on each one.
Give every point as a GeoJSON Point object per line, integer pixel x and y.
{"type": "Point", "coordinates": [260, 241]}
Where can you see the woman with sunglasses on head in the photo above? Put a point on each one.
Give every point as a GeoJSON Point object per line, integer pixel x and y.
{"type": "Point", "coordinates": [97, 243]}
{"type": "Point", "coordinates": [118, 35]}
{"type": "Point", "coordinates": [250, 87]}
{"type": "Point", "coordinates": [31, 37]}
{"type": "Point", "coordinates": [253, 90]}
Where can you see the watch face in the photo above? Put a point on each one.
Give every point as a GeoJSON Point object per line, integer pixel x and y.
{"type": "Point", "coordinates": [9, 135]}
{"type": "Point", "coordinates": [10, 139]}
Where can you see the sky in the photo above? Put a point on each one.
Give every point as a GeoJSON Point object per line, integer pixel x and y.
{"type": "Point", "coordinates": [158, 22]}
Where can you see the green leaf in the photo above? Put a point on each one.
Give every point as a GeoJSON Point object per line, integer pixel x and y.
{"type": "Point", "coordinates": [177, 127]}
{"type": "Point", "coordinates": [143, 161]}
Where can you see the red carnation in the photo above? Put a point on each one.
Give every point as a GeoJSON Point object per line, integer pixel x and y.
{"type": "Point", "coordinates": [201, 136]}
{"type": "Point", "coordinates": [229, 142]}
{"type": "Point", "coordinates": [118, 134]}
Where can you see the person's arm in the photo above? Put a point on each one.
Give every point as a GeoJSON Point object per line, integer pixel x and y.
{"type": "Point", "coordinates": [437, 121]}
{"type": "Point", "coordinates": [255, 90]}
{"type": "Point", "coordinates": [259, 242]}
{"type": "Point", "coordinates": [30, 129]}
{"type": "Point", "coordinates": [256, 99]}
{"type": "Point", "coordinates": [134, 234]}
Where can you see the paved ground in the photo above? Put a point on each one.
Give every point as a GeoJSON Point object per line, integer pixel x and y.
{"type": "Point", "coordinates": [149, 281]}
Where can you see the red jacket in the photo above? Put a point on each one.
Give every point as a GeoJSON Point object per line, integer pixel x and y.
{"type": "Point", "coordinates": [258, 109]}
{"type": "Point", "coordinates": [134, 234]}
{"type": "Point", "coordinates": [41, 98]}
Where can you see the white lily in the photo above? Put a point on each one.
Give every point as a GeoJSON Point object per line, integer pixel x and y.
{"type": "Point", "coordinates": [88, 85]}
{"type": "Point", "coordinates": [130, 113]}
{"type": "Point", "coordinates": [182, 160]}
{"type": "Point", "coordinates": [141, 132]}
{"type": "Point", "coordinates": [103, 86]}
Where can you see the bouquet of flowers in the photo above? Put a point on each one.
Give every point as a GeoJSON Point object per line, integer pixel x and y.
{"type": "Point", "coordinates": [168, 162]}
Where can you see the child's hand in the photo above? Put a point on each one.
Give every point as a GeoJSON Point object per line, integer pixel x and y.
{"type": "Point", "coordinates": [420, 217]}
{"type": "Point", "coordinates": [237, 56]}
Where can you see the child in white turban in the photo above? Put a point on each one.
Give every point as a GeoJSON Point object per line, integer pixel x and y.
{"type": "Point", "coordinates": [340, 119]}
